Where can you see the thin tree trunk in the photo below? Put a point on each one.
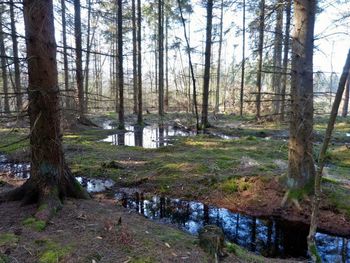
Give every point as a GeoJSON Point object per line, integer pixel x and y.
{"type": "Point", "coordinates": [134, 56]}
{"type": "Point", "coordinates": [78, 58]}
{"type": "Point", "coordinates": [206, 78]}
{"type": "Point", "coordinates": [301, 167]}
{"type": "Point", "coordinates": [139, 65]}
{"type": "Point", "coordinates": [17, 86]}
{"type": "Point", "coordinates": [322, 157]}
{"type": "Point", "coordinates": [277, 56]}
{"type": "Point", "coordinates": [88, 46]}
{"type": "Point", "coordinates": [161, 59]}
{"type": "Point", "coordinates": [285, 59]}
{"type": "Point", "coordinates": [217, 95]}
{"type": "Point", "coordinates": [260, 57]}
{"type": "Point", "coordinates": [3, 65]}
{"type": "Point", "coordinates": [346, 98]}
{"type": "Point", "coordinates": [65, 55]}
{"type": "Point", "coordinates": [166, 102]}
{"type": "Point", "coordinates": [120, 65]}
{"type": "Point", "coordinates": [243, 63]}
{"type": "Point", "coordinates": [191, 65]}
{"type": "Point", "coordinates": [50, 178]}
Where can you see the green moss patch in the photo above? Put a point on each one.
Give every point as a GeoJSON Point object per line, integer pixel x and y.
{"type": "Point", "coordinates": [8, 239]}
{"type": "Point", "coordinates": [35, 224]}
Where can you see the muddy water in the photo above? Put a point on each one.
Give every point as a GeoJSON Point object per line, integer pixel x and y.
{"type": "Point", "coordinates": [269, 237]}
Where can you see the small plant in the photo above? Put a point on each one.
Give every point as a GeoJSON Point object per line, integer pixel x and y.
{"type": "Point", "coordinates": [38, 225]}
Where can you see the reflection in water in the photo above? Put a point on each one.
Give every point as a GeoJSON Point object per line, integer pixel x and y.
{"type": "Point", "coordinates": [147, 137]}
{"type": "Point", "coordinates": [18, 170]}
{"type": "Point", "coordinates": [95, 185]}
{"type": "Point", "coordinates": [268, 237]}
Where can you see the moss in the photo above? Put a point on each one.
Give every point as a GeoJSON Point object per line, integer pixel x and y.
{"type": "Point", "coordinates": [8, 239]}
{"type": "Point", "coordinates": [314, 253]}
{"type": "Point", "coordinates": [142, 260]}
{"type": "Point", "coordinates": [244, 254]}
{"type": "Point", "coordinates": [33, 223]}
{"type": "Point", "coordinates": [4, 258]}
{"type": "Point", "coordinates": [52, 252]}
{"type": "Point", "coordinates": [234, 185]}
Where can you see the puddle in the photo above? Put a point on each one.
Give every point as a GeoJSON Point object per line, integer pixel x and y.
{"type": "Point", "coordinates": [95, 185]}
{"type": "Point", "coordinates": [18, 170]}
{"type": "Point", "coordinates": [153, 136]}
{"type": "Point", "coordinates": [266, 236]}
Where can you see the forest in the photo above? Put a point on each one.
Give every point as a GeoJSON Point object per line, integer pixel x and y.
{"type": "Point", "coordinates": [141, 131]}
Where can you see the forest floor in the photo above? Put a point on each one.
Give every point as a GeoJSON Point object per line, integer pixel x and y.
{"type": "Point", "coordinates": [245, 173]}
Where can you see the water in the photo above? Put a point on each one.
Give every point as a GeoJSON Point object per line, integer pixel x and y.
{"type": "Point", "coordinates": [18, 170]}
{"type": "Point", "coordinates": [95, 185]}
{"type": "Point", "coordinates": [153, 136]}
{"type": "Point", "coordinates": [269, 237]}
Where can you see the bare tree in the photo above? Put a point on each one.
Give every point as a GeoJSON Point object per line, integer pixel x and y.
{"type": "Point", "coordinates": [161, 58]}
{"type": "Point", "coordinates": [120, 65]}
{"type": "Point", "coordinates": [301, 167]}
{"type": "Point", "coordinates": [134, 55]}
{"type": "Point", "coordinates": [50, 178]}
{"type": "Point", "coordinates": [3, 64]}
{"type": "Point", "coordinates": [346, 98]}
{"type": "Point", "coordinates": [206, 78]}
{"type": "Point", "coordinates": [65, 54]}
{"type": "Point", "coordinates": [243, 62]}
{"type": "Point", "coordinates": [217, 94]}
{"type": "Point", "coordinates": [139, 65]}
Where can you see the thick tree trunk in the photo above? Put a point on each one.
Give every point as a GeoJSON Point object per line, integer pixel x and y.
{"type": "Point", "coordinates": [206, 79]}
{"type": "Point", "coordinates": [243, 63]}
{"type": "Point", "coordinates": [120, 65]}
{"type": "Point", "coordinates": [161, 59]}
{"type": "Point", "coordinates": [217, 95]}
{"type": "Point", "coordinates": [277, 56]}
{"type": "Point", "coordinates": [17, 86]}
{"type": "Point", "coordinates": [134, 55]}
{"type": "Point", "coordinates": [260, 57]}
{"type": "Point", "coordinates": [322, 156]}
{"type": "Point", "coordinates": [285, 59]}
{"type": "Point", "coordinates": [301, 164]}
{"type": "Point", "coordinates": [65, 56]}
{"type": "Point", "coordinates": [4, 66]}
{"type": "Point", "coordinates": [50, 177]}
{"type": "Point", "coordinates": [346, 98]}
{"type": "Point", "coordinates": [139, 65]}
{"type": "Point", "coordinates": [78, 58]}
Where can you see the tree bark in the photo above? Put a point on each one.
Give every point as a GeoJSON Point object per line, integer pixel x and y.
{"type": "Point", "coordinates": [139, 65]}
{"type": "Point", "coordinates": [243, 63]}
{"type": "Point", "coordinates": [206, 79]}
{"type": "Point", "coordinates": [166, 101]}
{"type": "Point", "coordinates": [134, 56]}
{"type": "Point", "coordinates": [285, 58]}
{"type": "Point", "coordinates": [78, 58]}
{"type": "Point", "coordinates": [65, 55]}
{"type": "Point", "coordinates": [301, 164]}
{"type": "Point", "coordinates": [260, 57]}
{"type": "Point", "coordinates": [161, 59]}
{"type": "Point", "coordinates": [50, 178]}
{"type": "Point", "coordinates": [277, 56]}
{"type": "Point", "coordinates": [3, 65]}
{"type": "Point", "coordinates": [88, 47]}
{"type": "Point", "coordinates": [321, 159]}
{"type": "Point", "coordinates": [346, 98]}
{"type": "Point", "coordinates": [217, 95]}
{"type": "Point", "coordinates": [120, 65]}
{"type": "Point", "coordinates": [17, 86]}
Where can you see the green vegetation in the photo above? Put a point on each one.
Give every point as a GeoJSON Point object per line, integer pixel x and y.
{"type": "Point", "coordinates": [244, 254]}
{"type": "Point", "coordinates": [8, 239]}
{"type": "Point", "coordinates": [35, 224]}
{"type": "Point", "coordinates": [52, 252]}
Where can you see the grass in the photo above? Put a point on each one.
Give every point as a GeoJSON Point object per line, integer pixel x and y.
{"type": "Point", "coordinates": [52, 252]}
{"type": "Point", "coordinates": [35, 224]}
{"type": "Point", "coordinates": [8, 239]}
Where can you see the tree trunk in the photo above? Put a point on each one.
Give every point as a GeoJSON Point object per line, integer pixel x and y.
{"type": "Point", "coordinates": [321, 159]}
{"type": "Point", "coordinates": [260, 57]}
{"type": "Point", "coordinates": [243, 63]}
{"type": "Point", "coordinates": [277, 57]}
{"type": "Point", "coordinates": [217, 94]}
{"type": "Point", "coordinates": [166, 101]}
{"type": "Point", "coordinates": [161, 59]}
{"type": "Point", "coordinates": [134, 55]}
{"type": "Point", "coordinates": [65, 56]}
{"type": "Point", "coordinates": [346, 99]}
{"type": "Point", "coordinates": [206, 78]}
{"type": "Point", "coordinates": [301, 164]}
{"type": "Point", "coordinates": [50, 178]}
{"type": "Point", "coordinates": [139, 65]}
{"type": "Point", "coordinates": [120, 65]}
{"type": "Point", "coordinates": [78, 58]}
{"type": "Point", "coordinates": [285, 59]}
{"type": "Point", "coordinates": [191, 65]}
{"type": "Point", "coordinates": [17, 86]}
{"type": "Point", "coordinates": [88, 47]}
{"type": "Point", "coordinates": [3, 66]}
